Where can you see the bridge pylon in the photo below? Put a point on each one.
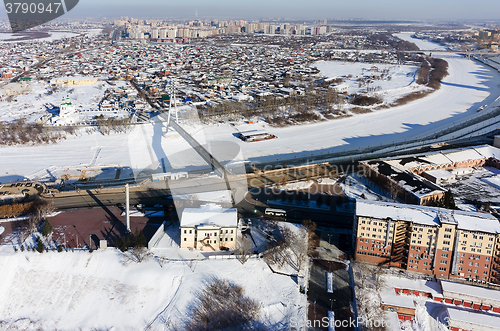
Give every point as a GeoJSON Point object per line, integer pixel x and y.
{"type": "Point", "coordinates": [173, 98]}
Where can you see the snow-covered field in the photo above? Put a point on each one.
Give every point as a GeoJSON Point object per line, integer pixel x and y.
{"type": "Point", "coordinates": [35, 104]}
{"type": "Point", "coordinates": [102, 291]}
{"type": "Point", "coordinates": [398, 77]}
{"type": "Point", "coordinates": [54, 35]}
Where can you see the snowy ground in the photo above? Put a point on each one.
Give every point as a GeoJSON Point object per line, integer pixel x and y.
{"type": "Point", "coordinates": [89, 291]}
{"type": "Point", "coordinates": [54, 35]}
{"type": "Point", "coordinates": [399, 80]}
{"type": "Point", "coordinates": [35, 104]}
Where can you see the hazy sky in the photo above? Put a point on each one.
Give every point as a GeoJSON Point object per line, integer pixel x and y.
{"type": "Point", "coordinates": [300, 9]}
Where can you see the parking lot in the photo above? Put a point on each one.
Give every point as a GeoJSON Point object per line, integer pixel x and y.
{"type": "Point", "coordinates": [76, 228]}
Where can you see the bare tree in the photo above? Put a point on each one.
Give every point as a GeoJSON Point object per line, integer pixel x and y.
{"type": "Point", "coordinates": [297, 244]}
{"type": "Point", "coordinates": [244, 248]}
{"type": "Point", "coordinates": [137, 254]}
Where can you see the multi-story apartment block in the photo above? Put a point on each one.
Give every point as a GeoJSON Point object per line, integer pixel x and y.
{"type": "Point", "coordinates": [209, 227]}
{"type": "Point", "coordinates": [429, 240]}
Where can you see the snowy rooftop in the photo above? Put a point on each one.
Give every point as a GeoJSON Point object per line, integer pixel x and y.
{"type": "Point", "coordinates": [474, 291]}
{"type": "Point", "coordinates": [395, 211]}
{"type": "Point", "coordinates": [422, 285]}
{"type": "Point", "coordinates": [466, 220]}
{"type": "Point", "coordinates": [389, 297]}
{"type": "Point", "coordinates": [441, 173]}
{"type": "Point", "coordinates": [473, 318]}
{"type": "Point", "coordinates": [482, 222]}
{"type": "Point", "coordinates": [444, 157]}
{"type": "Point", "coordinates": [209, 214]}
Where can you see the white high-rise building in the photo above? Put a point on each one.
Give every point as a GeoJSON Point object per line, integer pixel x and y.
{"type": "Point", "coordinates": [162, 33]}
{"type": "Point", "coordinates": [154, 33]}
{"type": "Point", "coordinates": [172, 32]}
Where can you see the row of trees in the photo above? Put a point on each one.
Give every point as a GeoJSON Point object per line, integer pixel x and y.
{"type": "Point", "coordinates": [431, 72]}
{"type": "Point", "coordinates": [20, 133]}
{"type": "Point", "coordinates": [108, 125]}
{"type": "Point", "coordinates": [277, 110]}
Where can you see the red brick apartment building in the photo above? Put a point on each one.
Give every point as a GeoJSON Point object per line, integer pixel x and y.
{"type": "Point", "coordinates": [429, 240]}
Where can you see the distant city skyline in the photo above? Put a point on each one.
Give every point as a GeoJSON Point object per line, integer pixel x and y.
{"type": "Point", "coordinates": [292, 9]}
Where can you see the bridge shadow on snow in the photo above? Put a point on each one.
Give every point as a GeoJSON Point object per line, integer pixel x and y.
{"type": "Point", "coordinates": [485, 89]}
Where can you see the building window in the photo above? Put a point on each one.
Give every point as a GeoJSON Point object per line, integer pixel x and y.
{"type": "Point", "coordinates": [231, 239]}
{"type": "Point", "coordinates": [226, 239]}
{"type": "Point", "coordinates": [442, 268]}
{"type": "Point", "coordinates": [461, 262]}
{"type": "Point", "coordinates": [485, 272]}
{"type": "Point", "coordinates": [475, 271]}
{"type": "Point", "coordinates": [470, 263]}
{"type": "Point", "coordinates": [447, 230]}
{"type": "Point", "coordinates": [185, 239]}
{"type": "Point", "coordinates": [231, 231]}
{"type": "Point", "coordinates": [446, 249]}
{"type": "Point", "coordinates": [486, 265]}
{"type": "Point", "coordinates": [447, 236]}
{"type": "Point", "coordinates": [476, 264]}
{"type": "Point", "coordinates": [444, 255]}
{"type": "Point", "coordinates": [443, 262]}
{"type": "Point", "coordinates": [487, 258]}
{"type": "Point", "coordinates": [185, 231]}
{"type": "Point", "coordinates": [190, 231]}
{"type": "Point", "coordinates": [446, 242]}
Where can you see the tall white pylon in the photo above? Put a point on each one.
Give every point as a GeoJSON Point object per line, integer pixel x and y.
{"type": "Point", "coordinates": [173, 99]}
{"type": "Point", "coordinates": [127, 206]}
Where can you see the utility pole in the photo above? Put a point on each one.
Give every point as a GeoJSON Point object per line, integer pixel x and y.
{"type": "Point", "coordinates": [127, 206]}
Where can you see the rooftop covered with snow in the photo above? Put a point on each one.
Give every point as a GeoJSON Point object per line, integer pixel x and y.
{"type": "Point", "coordinates": [209, 214]}
{"type": "Point", "coordinates": [473, 291]}
{"type": "Point", "coordinates": [471, 317]}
